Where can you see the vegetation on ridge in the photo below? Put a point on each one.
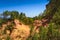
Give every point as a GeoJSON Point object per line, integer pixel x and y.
{"type": "Point", "coordinates": [16, 26]}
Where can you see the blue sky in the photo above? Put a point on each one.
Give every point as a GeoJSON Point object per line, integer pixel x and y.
{"type": "Point", "coordinates": [30, 7]}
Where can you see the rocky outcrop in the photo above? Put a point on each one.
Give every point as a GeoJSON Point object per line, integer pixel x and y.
{"type": "Point", "coordinates": [19, 32]}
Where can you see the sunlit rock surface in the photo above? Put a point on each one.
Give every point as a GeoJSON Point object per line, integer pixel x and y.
{"type": "Point", "coordinates": [20, 31]}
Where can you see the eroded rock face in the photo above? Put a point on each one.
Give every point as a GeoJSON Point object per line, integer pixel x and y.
{"type": "Point", "coordinates": [42, 22]}
{"type": "Point", "coordinates": [37, 23]}
{"type": "Point", "coordinates": [20, 32]}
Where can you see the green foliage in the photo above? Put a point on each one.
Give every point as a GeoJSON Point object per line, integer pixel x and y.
{"type": "Point", "coordinates": [47, 33]}
{"type": "Point", "coordinates": [43, 33]}
{"type": "Point", "coordinates": [8, 38]}
{"type": "Point", "coordinates": [9, 27]}
{"type": "Point", "coordinates": [35, 37]}
{"type": "Point", "coordinates": [52, 32]}
{"type": "Point", "coordinates": [6, 14]}
{"type": "Point", "coordinates": [14, 15]}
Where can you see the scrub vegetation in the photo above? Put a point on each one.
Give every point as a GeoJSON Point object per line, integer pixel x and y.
{"type": "Point", "coordinates": [45, 26]}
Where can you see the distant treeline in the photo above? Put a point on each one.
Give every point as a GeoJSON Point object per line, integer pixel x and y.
{"type": "Point", "coordinates": [52, 10]}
